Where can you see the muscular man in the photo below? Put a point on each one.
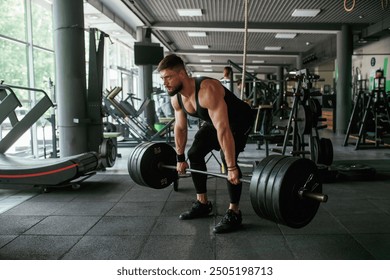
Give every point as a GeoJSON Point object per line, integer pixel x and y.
{"type": "Point", "coordinates": [227, 123]}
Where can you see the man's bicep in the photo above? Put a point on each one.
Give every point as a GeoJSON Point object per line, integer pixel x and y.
{"type": "Point", "coordinates": [180, 119]}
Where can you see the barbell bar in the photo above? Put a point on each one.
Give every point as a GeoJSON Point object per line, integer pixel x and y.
{"type": "Point", "coordinates": [303, 192]}
{"type": "Point", "coordinates": [284, 189]}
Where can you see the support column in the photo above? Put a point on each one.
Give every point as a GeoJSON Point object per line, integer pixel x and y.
{"type": "Point", "coordinates": [344, 78]}
{"type": "Point", "coordinates": [280, 78]}
{"type": "Point", "coordinates": [69, 49]}
{"type": "Point", "coordinates": [299, 62]}
{"type": "Point", "coordinates": [145, 78]}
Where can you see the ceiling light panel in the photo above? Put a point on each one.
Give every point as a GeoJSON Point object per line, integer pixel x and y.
{"type": "Point", "coordinates": [272, 48]}
{"type": "Point", "coordinates": [305, 12]}
{"type": "Point", "coordinates": [285, 35]}
{"type": "Point", "coordinates": [200, 47]}
{"type": "Point", "coordinates": [189, 12]}
{"type": "Point", "coordinates": [196, 34]}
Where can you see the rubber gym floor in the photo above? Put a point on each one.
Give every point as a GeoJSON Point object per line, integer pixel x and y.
{"type": "Point", "coordinates": [110, 217]}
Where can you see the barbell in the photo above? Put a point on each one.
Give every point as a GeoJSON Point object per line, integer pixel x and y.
{"type": "Point", "coordinates": [283, 189]}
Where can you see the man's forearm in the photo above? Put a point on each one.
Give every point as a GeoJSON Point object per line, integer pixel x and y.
{"type": "Point", "coordinates": [180, 140]}
{"type": "Point", "coordinates": [226, 141]}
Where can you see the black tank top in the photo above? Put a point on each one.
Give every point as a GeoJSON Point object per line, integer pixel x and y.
{"type": "Point", "coordinates": [239, 112]}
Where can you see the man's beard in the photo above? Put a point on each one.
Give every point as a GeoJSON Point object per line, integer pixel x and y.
{"type": "Point", "coordinates": [175, 90]}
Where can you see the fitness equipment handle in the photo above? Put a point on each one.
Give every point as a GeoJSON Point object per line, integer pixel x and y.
{"type": "Point", "coordinates": [302, 193]}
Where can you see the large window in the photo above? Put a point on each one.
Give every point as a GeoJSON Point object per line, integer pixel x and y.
{"type": "Point", "coordinates": [26, 47]}
{"type": "Point", "coordinates": [42, 24]}
{"type": "Point", "coordinates": [12, 19]}
{"type": "Point", "coordinates": [28, 60]}
{"type": "Point", "coordinates": [13, 62]}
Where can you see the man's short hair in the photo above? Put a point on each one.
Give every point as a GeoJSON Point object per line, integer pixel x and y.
{"type": "Point", "coordinates": [227, 70]}
{"type": "Point", "coordinates": [171, 61]}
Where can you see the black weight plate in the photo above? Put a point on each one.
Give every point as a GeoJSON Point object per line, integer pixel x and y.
{"type": "Point", "coordinates": [254, 188]}
{"type": "Point", "coordinates": [149, 161]}
{"type": "Point", "coordinates": [326, 174]}
{"type": "Point", "coordinates": [355, 171]}
{"type": "Point", "coordinates": [109, 151]}
{"type": "Point", "coordinates": [289, 207]}
{"type": "Point", "coordinates": [325, 152]}
{"type": "Point", "coordinates": [257, 188]}
{"type": "Point", "coordinates": [152, 157]}
{"type": "Point", "coordinates": [304, 122]}
{"type": "Point", "coordinates": [273, 191]}
{"type": "Point", "coordinates": [135, 166]}
{"type": "Point", "coordinates": [316, 110]}
{"type": "Point", "coordinates": [297, 143]}
{"type": "Point", "coordinates": [315, 152]}
{"type": "Point", "coordinates": [132, 164]}
{"type": "Point", "coordinates": [263, 186]}
{"type": "Point", "coordinates": [269, 200]}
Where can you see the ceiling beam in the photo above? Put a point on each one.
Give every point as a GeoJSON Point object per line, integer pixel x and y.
{"type": "Point", "coordinates": [313, 28]}
{"type": "Point", "coordinates": [248, 64]}
{"type": "Point", "coordinates": [237, 53]}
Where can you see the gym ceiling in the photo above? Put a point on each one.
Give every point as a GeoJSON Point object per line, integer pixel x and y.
{"type": "Point", "coordinates": [221, 25]}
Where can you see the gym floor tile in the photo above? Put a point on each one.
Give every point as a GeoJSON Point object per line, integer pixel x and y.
{"type": "Point", "coordinates": [17, 224]}
{"type": "Point", "coordinates": [365, 223]}
{"type": "Point", "coordinates": [383, 204]}
{"type": "Point", "coordinates": [326, 247]}
{"type": "Point", "coordinates": [30, 247]}
{"type": "Point", "coordinates": [142, 209]}
{"type": "Point", "coordinates": [95, 195]}
{"type": "Point", "coordinates": [145, 194]}
{"type": "Point", "coordinates": [57, 195]}
{"type": "Point", "coordinates": [63, 225]}
{"type": "Point", "coordinates": [35, 208]}
{"type": "Point", "coordinates": [351, 206]}
{"type": "Point", "coordinates": [183, 248]}
{"type": "Point", "coordinates": [111, 226]}
{"type": "Point", "coordinates": [174, 226]}
{"type": "Point", "coordinates": [322, 223]}
{"type": "Point", "coordinates": [377, 245]}
{"type": "Point", "coordinates": [106, 248]}
{"type": "Point", "coordinates": [87, 208]}
{"type": "Point", "coordinates": [242, 246]}
{"type": "Point", "coordinates": [4, 239]}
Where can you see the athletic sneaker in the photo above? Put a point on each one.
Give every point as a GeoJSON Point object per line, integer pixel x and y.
{"type": "Point", "coordinates": [198, 210]}
{"type": "Point", "coordinates": [230, 222]}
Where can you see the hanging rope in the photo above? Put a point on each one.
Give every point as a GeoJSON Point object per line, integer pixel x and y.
{"type": "Point", "coordinates": [245, 48]}
{"type": "Point", "coordinates": [351, 8]}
